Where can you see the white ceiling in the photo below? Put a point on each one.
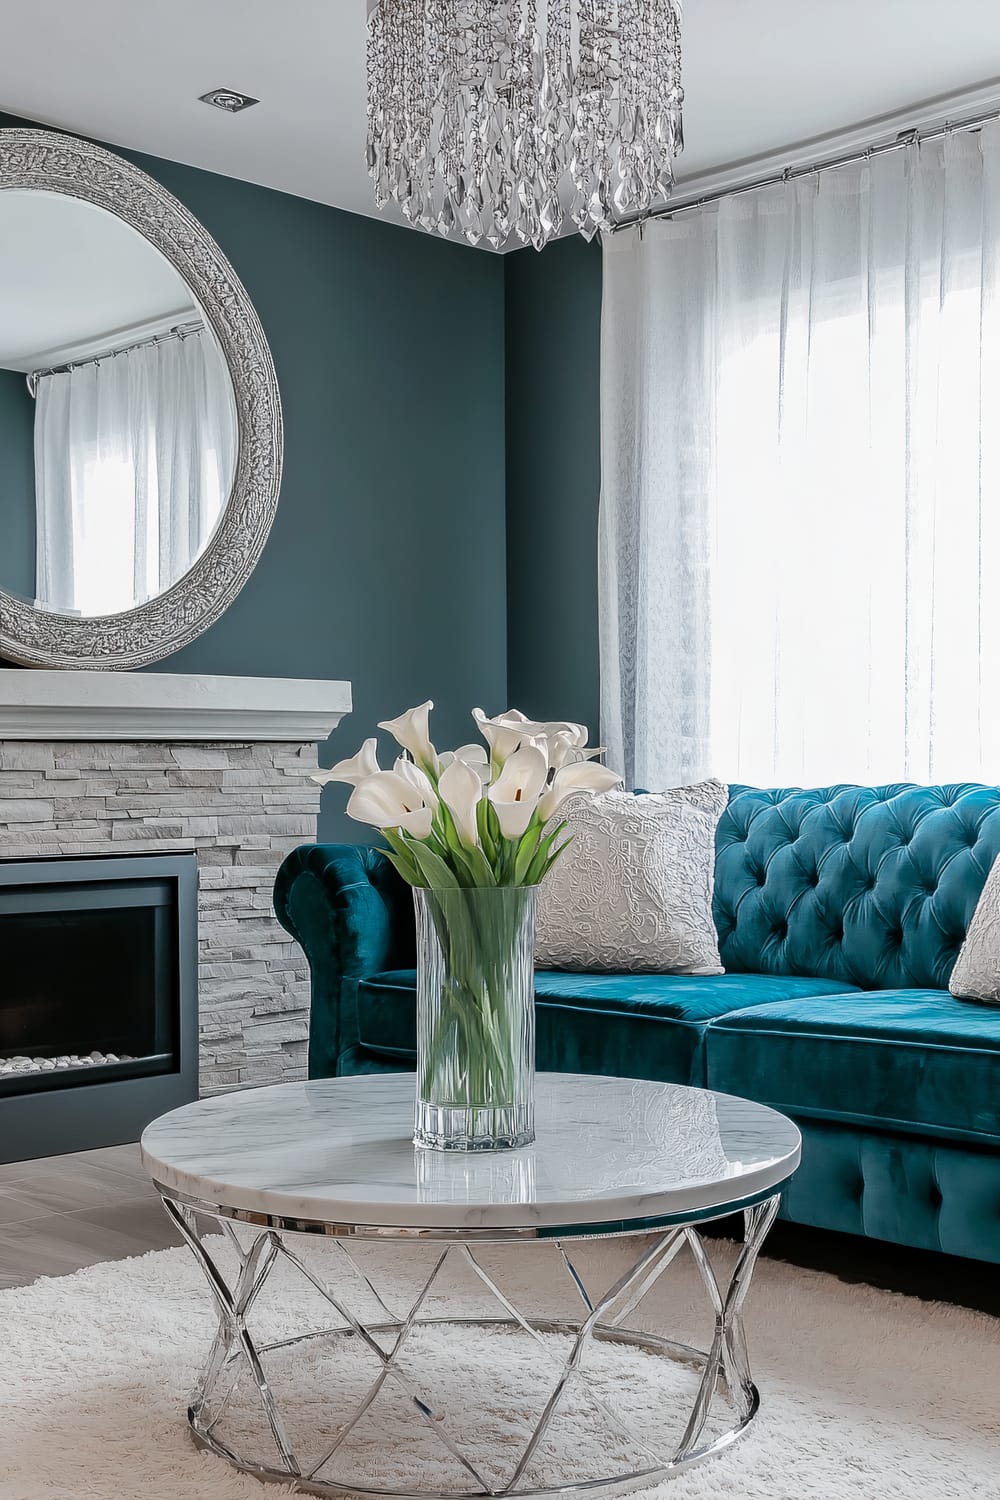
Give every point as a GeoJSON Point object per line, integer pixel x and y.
{"type": "Point", "coordinates": [74, 280]}
{"type": "Point", "coordinates": [760, 76]}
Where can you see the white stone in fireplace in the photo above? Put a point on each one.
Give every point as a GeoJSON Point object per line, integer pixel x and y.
{"type": "Point", "coordinates": [115, 763]}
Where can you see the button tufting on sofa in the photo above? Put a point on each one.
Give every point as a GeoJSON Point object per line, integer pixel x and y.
{"type": "Point", "coordinates": [853, 836]}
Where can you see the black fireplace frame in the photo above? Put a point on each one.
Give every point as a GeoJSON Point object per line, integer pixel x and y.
{"type": "Point", "coordinates": [65, 1113]}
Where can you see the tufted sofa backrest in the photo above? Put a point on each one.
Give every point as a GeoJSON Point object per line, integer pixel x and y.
{"type": "Point", "coordinates": [871, 885]}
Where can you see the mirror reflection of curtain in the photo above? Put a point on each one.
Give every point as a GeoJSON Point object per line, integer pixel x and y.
{"type": "Point", "coordinates": [134, 461]}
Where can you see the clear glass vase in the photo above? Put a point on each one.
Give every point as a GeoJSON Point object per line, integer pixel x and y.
{"type": "Point", "coordinates": [475, 1018]}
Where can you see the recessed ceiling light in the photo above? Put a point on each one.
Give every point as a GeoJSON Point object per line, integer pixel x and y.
{"type": "Point", "coordinates": [228, 99]}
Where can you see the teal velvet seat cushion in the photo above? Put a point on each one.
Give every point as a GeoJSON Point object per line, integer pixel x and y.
{"type": "Point", "coordinates": [630, 1025]}
{"type": "Point", "coordinates": [912, 1060]}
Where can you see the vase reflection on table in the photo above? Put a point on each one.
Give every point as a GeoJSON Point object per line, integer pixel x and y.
{"type": "Point", "coordinates": [474, 831]}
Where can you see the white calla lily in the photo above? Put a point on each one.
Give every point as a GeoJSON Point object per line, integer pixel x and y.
{"type": "Point", "coordinates": [561, 740]}
{"type": "Point", "coordinates": [418, 779]}
{"type": "Point", "coordinates": [577, 732]}
{"type": "Point", "coordinates": [461, 789]}
{"type": "Point", "coordinates": [476, 756]}
{"type": "Point", "coordinates": [357, 768]}
{"type": "Point", "coordinates": [502, 738]}
{"type": "Point", "coordinates": [516, 791]}
{"type": "Point", "coordinates": [563, 750]}
{"type": "Point", "coordinates": [389, 800]}
{"type": "Point", "coordinates": [580, 776]}
{"type": "Point", "coordinates": [472, 755]}
{"type": "Point", "coordinates": [412, 731]}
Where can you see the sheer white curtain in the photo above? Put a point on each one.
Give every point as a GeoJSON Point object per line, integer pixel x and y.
{"type": "Point", "coordinates": [800, 516]}
{"type": "Point", "coordinates": [134, 458]}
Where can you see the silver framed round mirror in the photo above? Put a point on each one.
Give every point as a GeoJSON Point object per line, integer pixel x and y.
{"type": "Point", "coordinates": [140, 419]}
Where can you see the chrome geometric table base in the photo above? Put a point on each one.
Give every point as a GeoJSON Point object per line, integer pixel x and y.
{"type": "Point", "coordinates": [725, 1366]}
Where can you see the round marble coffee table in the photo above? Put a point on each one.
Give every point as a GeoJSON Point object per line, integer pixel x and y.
{"type": "Point", "coordinates": [613, 1157]}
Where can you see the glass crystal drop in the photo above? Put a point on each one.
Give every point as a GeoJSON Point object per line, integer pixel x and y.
{"type": "Point", "coordinates": [665, 181]}
{"type": "Point", "coordinates": [580, 207]}
{"type": "Point", "coordinates": [446, 218]}
{"type": "Point", "coordinates": [472, 223]}
{"type": "Point", "coordinates": [600, 206]}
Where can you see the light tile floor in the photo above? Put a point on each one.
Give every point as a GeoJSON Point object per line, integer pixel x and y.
{"type": "Point", "coordinates": [59, 1213]}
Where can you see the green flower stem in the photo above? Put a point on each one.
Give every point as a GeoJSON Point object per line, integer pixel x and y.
{"type": "Point", "coordinates": [472, 1058]}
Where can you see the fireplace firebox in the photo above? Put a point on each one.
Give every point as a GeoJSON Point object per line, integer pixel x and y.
{"type": "Point", "coordinates": [98, 998]}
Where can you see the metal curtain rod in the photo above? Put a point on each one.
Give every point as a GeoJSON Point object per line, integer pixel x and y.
{"type": "Point", "coordinates": [900, 142]}
{"type": "Point", "coordinates": [179, 331]}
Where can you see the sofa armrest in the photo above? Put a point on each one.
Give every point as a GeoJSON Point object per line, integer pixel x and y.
{"type": "Point", "coordinates": [353, 916]}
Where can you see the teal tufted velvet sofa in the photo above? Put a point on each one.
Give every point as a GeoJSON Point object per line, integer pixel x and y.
{"type": "Point", "coordinates": [840, 912]}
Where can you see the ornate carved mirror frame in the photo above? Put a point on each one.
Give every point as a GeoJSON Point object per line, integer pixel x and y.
{"type": "Point", "coordinates": [57, 163]}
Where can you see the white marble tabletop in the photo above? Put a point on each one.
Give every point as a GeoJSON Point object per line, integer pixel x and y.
{"type": "Point", "coordinates": [338, 1151]}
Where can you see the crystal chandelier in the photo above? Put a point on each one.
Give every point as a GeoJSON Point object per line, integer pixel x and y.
{"type": "Point", "coordinates": [479, 110]}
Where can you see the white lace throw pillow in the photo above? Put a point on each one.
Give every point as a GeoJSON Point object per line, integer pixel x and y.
{"type": "Point", "coordinates": [976, 975]}
{"type": "Point", "coordinates": [633, 892]}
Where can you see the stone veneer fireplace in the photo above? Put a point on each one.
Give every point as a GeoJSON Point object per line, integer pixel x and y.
{"type": "Point", "coordinates": [98, 764]}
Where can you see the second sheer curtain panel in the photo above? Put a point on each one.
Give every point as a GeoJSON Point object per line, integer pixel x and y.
{"type": "Point", "coordinates": [800, 520]}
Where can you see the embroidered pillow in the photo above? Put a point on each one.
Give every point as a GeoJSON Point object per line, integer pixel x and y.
{"type": "Point", "coordinates": [633, 892]}
{"type": "Point", "coordinates": [976, 975]}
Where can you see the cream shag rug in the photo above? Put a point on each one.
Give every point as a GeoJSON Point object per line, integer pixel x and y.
{"type": "Point", "coordinates": [865, 1395]}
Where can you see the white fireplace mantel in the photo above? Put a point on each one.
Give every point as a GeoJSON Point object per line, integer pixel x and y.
{"type": "Point", "coordinates": [154, 706]}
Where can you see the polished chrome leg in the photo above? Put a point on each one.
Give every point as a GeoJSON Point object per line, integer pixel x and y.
{"type": "Point", "coordinates": [389, 1368]}
{"type": "Point", "coordinates": [234, 1315]}
{"type": "Point", "coordinates": [552, 1358]}
{"type": "Point", "coordinates": [725, 1367]}
{"type": "Point", "coordinates": [646, 1269]}
{"type": "Point", "coordinates": [727, 1356]}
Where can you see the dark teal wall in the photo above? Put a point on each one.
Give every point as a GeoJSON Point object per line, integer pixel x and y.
{"type": "Point", "coordinates": [386, 563]}
{"type": "Point", "coordinates": [17, 485]}
{"type": "Point", "coordinates": [553, 325]}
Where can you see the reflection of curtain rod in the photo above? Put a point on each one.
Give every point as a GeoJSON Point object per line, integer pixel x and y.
{"type": "Point", "coordinates": [179, 331]}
